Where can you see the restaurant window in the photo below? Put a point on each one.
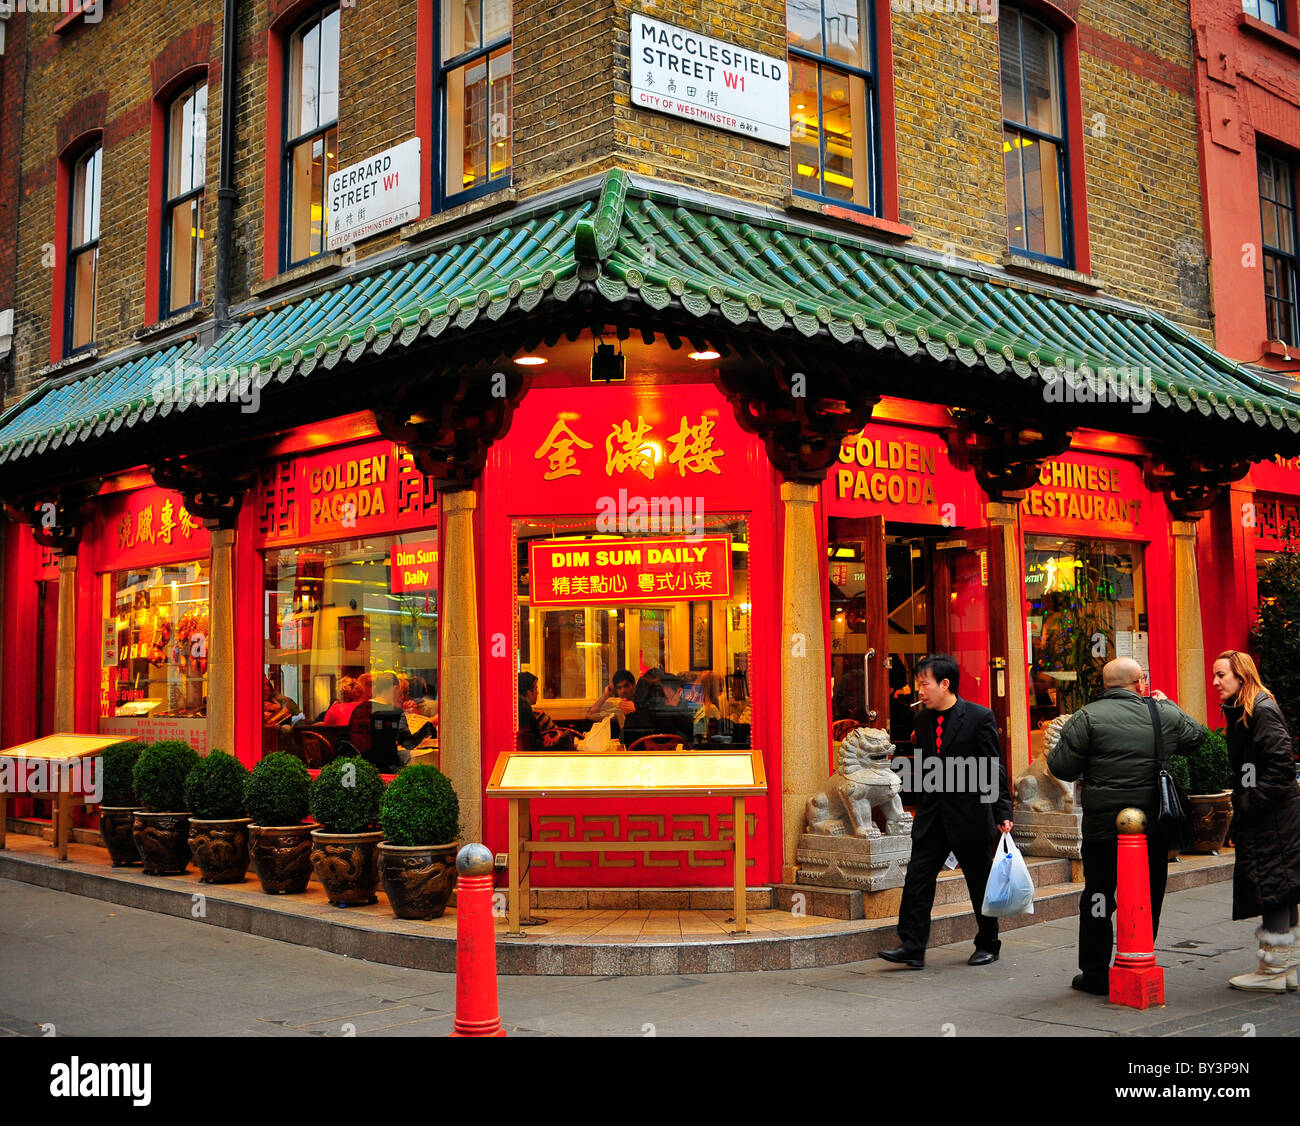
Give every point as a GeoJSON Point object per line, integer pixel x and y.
{"type": "Point", "coordinates": [339, 614]}
{"type": "Point", "coordinates": [1086, 606]}
{"type": "Point", "coordinates": [475, 73]}
{"type": "Point", "coordinates": [1281, 261]}
{"type": "Point", "coordinates": [83, 251]}
{"type": "Point", "coordinates": [156, 641]}
{"type": "Point", "coordinates": [311, 134]}
{"type": "Point", "coordinates": [1033, 137]}
{"type": "Point", "coordinates": [183, 232]}
{"type": "Point", "coordinates": [1268, 11]}
{"type": "Point", "coordinates": [833, 111]}
{"type": "Point", "coordinates": [681, 627]}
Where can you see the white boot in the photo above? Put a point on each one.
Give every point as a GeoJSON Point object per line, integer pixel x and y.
{"type": "Point", "coordinates": [1275, 959]}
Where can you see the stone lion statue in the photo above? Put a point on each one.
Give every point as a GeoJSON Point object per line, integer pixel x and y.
{"type": "Point", "coordinates": [862, 782]}
{"type": "Point", "coordinates": [1038, 788]}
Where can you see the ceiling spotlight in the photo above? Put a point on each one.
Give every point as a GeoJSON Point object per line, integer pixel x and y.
{"type": "Point", "coordinates": [530, 361]}
{"type": "Point", "coordinates": [707, 354]}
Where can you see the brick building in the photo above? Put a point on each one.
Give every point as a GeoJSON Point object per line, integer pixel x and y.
{"type": "Point", "coordinates": [1248, 102]}
{"type": "Point", "coordinates": [912, 298]}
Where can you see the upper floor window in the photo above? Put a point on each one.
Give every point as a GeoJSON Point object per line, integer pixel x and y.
{"type": "Point", "coordinates": [476, 64]}
{"type": "Point", "coordinates": [1034, 137]}
{"type": "Point", "coordinates": [183, 234]}
{"type": "Point", "coordinates": [83, 252]}
{"type": "Point", "coordinates": [1281, 261]}
{"type": "Point", "coordinates": [833, 110]}
{"type": "Point", "coordinates": [1269, 11]}
{"type": "Point", "coordinates": [310, 133]}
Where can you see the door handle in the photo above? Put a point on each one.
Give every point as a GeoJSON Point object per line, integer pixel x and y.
{"type": "Point", "coordinates": [866, 685]}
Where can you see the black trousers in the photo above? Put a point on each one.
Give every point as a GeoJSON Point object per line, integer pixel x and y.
{"type": "Point", "coordinates": [928, 854]}
{"type": "Point", "coordinates": [1097, 903]}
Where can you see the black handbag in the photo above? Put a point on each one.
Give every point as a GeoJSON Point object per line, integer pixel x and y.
{"type": "Point", "coordinates": [1173, 819]}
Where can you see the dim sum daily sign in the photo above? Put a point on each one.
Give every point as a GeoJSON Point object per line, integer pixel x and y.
{"type": "Point", "coordinates": [625, 571]}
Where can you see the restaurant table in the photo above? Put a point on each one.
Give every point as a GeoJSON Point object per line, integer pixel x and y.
{"type": "Point", "coordinates": [521, 775]}
{"type": "Point", "coordinates": [62, 749]}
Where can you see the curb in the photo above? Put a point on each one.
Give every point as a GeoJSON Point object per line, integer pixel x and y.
{"type": "Point", "coordinates": [402, 944]}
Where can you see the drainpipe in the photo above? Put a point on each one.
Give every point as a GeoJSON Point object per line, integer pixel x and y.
{"type": "Point", "coordinates": [226, 194]}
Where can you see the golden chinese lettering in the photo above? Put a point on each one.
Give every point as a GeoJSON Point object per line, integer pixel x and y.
{"type": "Point", "coordinates": [165, 522]}
{"type": "Point", "coordinates": [693, 448]}
{"type": "Point", "coordinates": [144, 525]}
{"type": "Point", "coordinates": [634, 452]}
{"type": "Point", "coordinates": [558, 450]}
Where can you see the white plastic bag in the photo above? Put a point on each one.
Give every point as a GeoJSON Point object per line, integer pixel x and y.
{"type": "Point", "coordinates": [598, 738]}
{"type": "Point", "coordinates": [1010, 889]}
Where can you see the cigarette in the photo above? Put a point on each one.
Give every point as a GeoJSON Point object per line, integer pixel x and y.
{"type": "Point", "coordinates": [917, 704]}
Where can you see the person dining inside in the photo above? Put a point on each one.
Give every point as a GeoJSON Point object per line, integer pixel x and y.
{"type": "Point", "coordinates": [616, 701]}
{"type": "Point", "coordinates": [351, 693]}
{"type": "Point", "coordinates": [529, 737]}
{"type": "Point", "coordinates": [659, 709]}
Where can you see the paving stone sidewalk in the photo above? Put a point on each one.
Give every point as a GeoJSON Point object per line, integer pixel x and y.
{"type": "Point", "coordinates": [97, 969]}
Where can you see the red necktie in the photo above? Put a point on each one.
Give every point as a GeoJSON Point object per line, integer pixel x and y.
{"type": "Point", "coordinates": [938, 736]}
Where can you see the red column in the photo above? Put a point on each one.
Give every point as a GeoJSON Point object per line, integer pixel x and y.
{"type": "Point", "coordinates": [476, 946]}
{"type": "Point", "coordinates": [1135, 979]}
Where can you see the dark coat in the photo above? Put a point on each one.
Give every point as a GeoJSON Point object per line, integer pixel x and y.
{"type": "Point", "coordinates": [1111, 745]}
{"type": "Point", "coordinates": [1266, 815]}
{"type": "Point", "coordinates": [969, 731]}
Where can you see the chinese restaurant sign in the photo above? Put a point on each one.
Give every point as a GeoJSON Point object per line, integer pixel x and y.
{"type": "Point", "coordinates": [628, 450]}
{"type": "Point", "coordinates": [148, 526]}
{"type": "Point", "coordinates": [1085, 494]}
{"type": "Point", "coordinates": [414, 567]}
{"type": "Point", "coordinates": [904, 475]}
{"type": "Point", "coordinates": [621, 572]}
{"type": "Point", "coordinates": [709, 81]}
{"type": "Point", "coordinates": [370, 488]}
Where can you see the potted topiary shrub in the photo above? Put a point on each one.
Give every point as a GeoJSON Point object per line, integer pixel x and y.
{"type": "Point", "coordinates": [117, 809]}
{"type": "Point", "coordinates": [275, 797]}
{"type": "Point", "coordinates": [344, 799]}
{"type": "Point", "coordinates": [1207, 780]}
{"type": "Point", "coordinates": [420, 817]}
{"type": "Point", "coordinates": [160, 830]}
{"type": "Point", "coordinates": [214, 795]}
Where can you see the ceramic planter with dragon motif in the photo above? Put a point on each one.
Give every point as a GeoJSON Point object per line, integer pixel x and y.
{"type": "Point", "coordinates": [281, 857]}
{"type": "Point", "coordinates": [346, 865]}
{"type": "Point", "coordinates": [418, 879]}
{"type": "Point", "coordinates": [163, 841]}
{"type": "Point", "coordinates": [220, 849]}
{"type": "Point", "coordinates": [115, 830]}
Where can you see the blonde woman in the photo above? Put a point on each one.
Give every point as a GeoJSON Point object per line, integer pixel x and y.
{"type": "Point", "coordinates": [1265, 824]}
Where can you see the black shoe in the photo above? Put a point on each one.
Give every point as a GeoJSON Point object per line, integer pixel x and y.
{"type": "Point", "coordinates": [982, 958]}
{"type": "Point", "coordinates": [1089, 985]}
{"type": "Point", "coordinates": [904, 957]}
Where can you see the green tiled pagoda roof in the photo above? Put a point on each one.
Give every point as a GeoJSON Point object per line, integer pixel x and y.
{"type": "Point", "coordinates": [716, 259]}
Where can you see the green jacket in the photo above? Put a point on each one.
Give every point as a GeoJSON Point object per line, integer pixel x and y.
{"type": "Point", "coordinates": [1110, 744]}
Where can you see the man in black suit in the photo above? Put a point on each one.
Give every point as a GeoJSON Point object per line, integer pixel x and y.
{"type": "Point", "coordinates": [964, 804]}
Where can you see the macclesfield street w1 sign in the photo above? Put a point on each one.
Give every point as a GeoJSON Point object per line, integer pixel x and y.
{"type": "Point", "coordinates": [706, 80]}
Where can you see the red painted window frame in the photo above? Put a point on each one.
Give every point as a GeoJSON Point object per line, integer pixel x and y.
{"type": "Point", "coordinates": [1067, 27]}
{"type": "Point", "coordinates": [72, 152]}
{"type": "Point", "coordinates": [157, 184]}
{"type": "Point", "coordinates": [277, 41]}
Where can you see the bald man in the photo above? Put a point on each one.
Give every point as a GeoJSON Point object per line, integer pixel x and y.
{"type": "Point", "coordinates": [1111, 745]}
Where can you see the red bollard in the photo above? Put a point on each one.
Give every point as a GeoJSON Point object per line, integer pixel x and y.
{"type": "Point", "coordinates": [476, 946]}
{"type": "Point", "coordinates": [1135, 979]}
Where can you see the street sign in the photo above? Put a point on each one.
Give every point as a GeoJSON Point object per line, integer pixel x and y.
{"type": "Point", "coordinates": [709, 81]}
{"type": "Point", "coordinates": [380, 192]}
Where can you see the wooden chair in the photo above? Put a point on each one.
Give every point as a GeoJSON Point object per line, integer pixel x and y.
{"type": "Point", "coordinates": [560, 738]}
{"type": "Point", "coordinates": [842, 727]}
{"type": "Point", "coordinates": [657, 743]}
{"type": "Point", "coordinates": [313, 748]}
